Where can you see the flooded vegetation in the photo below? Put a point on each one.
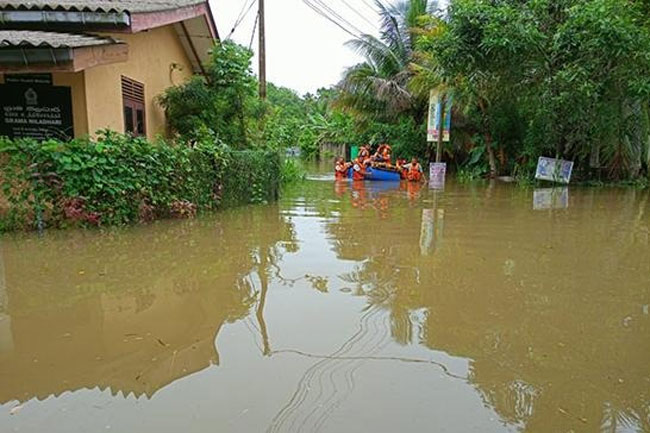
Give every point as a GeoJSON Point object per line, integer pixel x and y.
{"type": "Point", "coordinates": [356, 307]}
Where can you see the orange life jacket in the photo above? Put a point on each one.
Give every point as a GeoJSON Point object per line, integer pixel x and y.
{"type": "Point", "coordinates": [363, 152]}
{"type": "Point", "coordinates": [386, 154]}
{"type": "Point", "coordinates": [358, 170]}
{"type": "Point", "coordinates": [340, 171]}
{"type": "Point", "coordinates": [414, 173]}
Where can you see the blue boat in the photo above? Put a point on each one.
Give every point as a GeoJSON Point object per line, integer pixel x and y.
{"type": "Point", "coordinates": [374, 173]}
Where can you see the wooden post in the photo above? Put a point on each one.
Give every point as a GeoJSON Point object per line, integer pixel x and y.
{"type": "Point", "coordinates": [262, 51]}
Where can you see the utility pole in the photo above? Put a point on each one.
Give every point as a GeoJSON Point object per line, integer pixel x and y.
{"type": "Point", "coordinates": [262, 51]}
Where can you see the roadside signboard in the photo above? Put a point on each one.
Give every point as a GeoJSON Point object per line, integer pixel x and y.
{"type": "Point", "coordinates": [554, 170]}
{"type": "Point", "coordinates": [437, 174]}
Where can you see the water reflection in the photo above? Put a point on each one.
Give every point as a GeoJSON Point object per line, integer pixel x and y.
{"type": "Point", "coordinates": [551, 198]}
{"type": "Point", "coordinates": [373, 307]}
{"type": "Point", "coordinates": [127, 312]}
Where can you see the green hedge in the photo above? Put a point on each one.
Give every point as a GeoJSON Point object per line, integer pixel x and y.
{"type": "Point", "coordinates": [118, 179]}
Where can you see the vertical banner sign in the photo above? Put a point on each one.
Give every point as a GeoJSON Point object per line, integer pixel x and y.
{"type": "Point", "coordinates": [434, 118]}
{"type": "Point", "coordinates": [36, 111]}
{"type": "Point", "coordinates": [446, 132]}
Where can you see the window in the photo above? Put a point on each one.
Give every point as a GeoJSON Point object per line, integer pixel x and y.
{"type": "Point", "coordinates": [133, 102]}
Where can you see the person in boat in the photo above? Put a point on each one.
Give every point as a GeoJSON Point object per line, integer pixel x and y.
{"type": "Point", "coordinates": [341, 168]}
{"type": "Point", "coordinates": [358, 170]}
{"type": "Point", "coordinates": [364, 154]}
{"type": "Point", "coordinates": [383, 154]}
{"type": "Point", "coordinates": [414, 171]}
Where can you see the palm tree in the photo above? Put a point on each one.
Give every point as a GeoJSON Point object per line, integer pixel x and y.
{"type": "Point", "coordinates": [377, 87]}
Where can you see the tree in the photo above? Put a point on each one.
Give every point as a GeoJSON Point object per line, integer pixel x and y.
{"type": "Point", "coordinates": [378, 87]}
{"type": "Point", "coordinates": [223, 102]}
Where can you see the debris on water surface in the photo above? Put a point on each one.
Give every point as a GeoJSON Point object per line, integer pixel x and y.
{"type": "Point", "coordinates": [14, 410]}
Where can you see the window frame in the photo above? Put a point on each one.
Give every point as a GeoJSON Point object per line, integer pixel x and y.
{"type": "Point", "coordinates": [133, 97]}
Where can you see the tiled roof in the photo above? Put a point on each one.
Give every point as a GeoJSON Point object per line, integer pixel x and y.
{"type": "Point", "coordinates": [36, 39]}
{"type": "Point", "coordinates": [131, 6]}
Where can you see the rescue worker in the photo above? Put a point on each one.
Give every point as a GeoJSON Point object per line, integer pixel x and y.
{"type": "Point", "coordinates": [414, 173]}
{"type": "Point", "coordinates": [383, 154]}
{"type": "Point", "coordinates": [401, 162]}
{"type": "Point", "coordinates": [341, 168]}
{"type": "Point", "coordinates": [358, 170]}
{"type": "Point", "coordinates": [364, 154]}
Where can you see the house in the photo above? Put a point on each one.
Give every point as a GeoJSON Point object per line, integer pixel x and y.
{"type": "Point", "coordinates": [71, 67]}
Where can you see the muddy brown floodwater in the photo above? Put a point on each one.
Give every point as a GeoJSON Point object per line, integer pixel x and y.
{"type": "Point", "coordinates": [343, 308]}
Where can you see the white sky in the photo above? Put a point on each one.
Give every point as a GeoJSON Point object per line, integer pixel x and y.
{"type": "Point", "coordinates": [304, 51]}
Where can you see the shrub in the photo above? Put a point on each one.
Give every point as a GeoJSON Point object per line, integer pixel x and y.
{"type": "Point", "coordinates": [118, 179]}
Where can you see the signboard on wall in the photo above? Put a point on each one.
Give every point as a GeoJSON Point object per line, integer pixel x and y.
{"type": "Point", "coordinates": [36, 111]}
{"type": "Point", "coordinates": [29, 78]}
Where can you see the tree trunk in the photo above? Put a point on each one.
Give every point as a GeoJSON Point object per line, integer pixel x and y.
{"type": "Point", "coordinates": [492, 162]}
{"type": "Point", "coordinates": [490, 153]}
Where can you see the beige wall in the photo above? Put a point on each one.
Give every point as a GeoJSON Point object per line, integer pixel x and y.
{"type": "Point", "coordinates": [151, 56]}
{"type": "Point", "coordinates": [79, 112]}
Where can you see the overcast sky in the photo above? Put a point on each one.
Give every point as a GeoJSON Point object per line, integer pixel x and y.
{"type": "Point", "coordinates": [304, 51]}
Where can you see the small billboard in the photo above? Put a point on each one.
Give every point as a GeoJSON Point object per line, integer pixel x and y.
{"type": "Point", "coordinates": [437, 174]}
{"type": "Point", "coordinates": [554, 170]}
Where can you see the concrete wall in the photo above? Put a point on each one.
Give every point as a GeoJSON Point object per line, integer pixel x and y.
{"type": "Point", "coordinates": [151, 56]}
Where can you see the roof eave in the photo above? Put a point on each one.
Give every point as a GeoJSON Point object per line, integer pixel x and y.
{"type": "Point", "coordinates": [150, 20]}
{"type": "Point", "coordinates": [61, 59]}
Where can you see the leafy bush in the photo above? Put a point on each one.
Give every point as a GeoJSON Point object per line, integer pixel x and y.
{"type": "Point", "coordinates": [291, 171]}
{"type": "Point", "coordinates": [118, 179]}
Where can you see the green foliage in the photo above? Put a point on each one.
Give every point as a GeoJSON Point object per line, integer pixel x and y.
{"type": "Point", "coordinates": [251, 177]}
{"type": "Point", "coordinates": [565, 78]}
{"type": "Point", "coordinates": [292, 171]}
{"type": "Point", "coordinates": [118, 179]}
{"type": "Point", "coordinates": [224, 101]}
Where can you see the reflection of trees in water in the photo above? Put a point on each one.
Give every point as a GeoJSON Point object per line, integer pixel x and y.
{"type": "Point", "coordinates": [547, 305]}
{"type": "Point", "coordinates": [132, 309]}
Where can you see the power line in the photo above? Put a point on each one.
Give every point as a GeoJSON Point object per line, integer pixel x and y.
{"type": "Point", "coordinates": [373, 8]}
{"type": "Point", "coordinates": [363, 17]}
{"type": "Point", "coordinates": [257, 17]}
{"type": "Point", "coordinates": [240, 18]}
{"type": "Point", "coordinates": [327, 17]}
{"type": "Point", "coordinates": [337, 16]}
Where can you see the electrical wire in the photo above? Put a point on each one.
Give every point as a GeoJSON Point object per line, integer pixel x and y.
{"type": "Point", "coordinates": [241, 18]}
{"type": "Point", "coordinates": [363, 17]}
{"type": "Point", "coordinates": [373, 8]}
{"type": "Point", "coordinates": [257, 17]}
{"type": "Point", "coordinates": [329, 18]}
{"type": "Point", "coordinates": [337, 16]}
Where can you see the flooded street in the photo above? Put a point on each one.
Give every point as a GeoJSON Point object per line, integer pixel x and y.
{"type": "Point", "coordinates": [375, 307]}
